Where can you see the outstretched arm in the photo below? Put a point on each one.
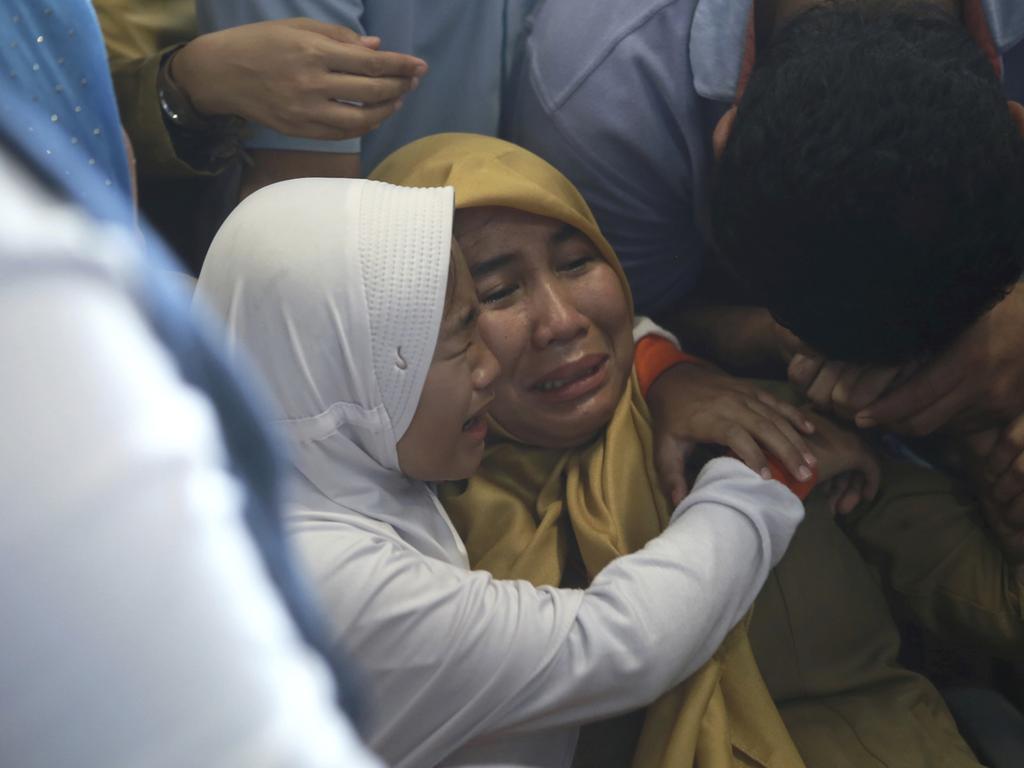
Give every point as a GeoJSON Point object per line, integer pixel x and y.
{"type": "Point", "coordinates": [456, 655]}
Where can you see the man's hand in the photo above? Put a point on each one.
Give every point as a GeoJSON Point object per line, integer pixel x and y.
{"type": "Point", "coordinates": [692, 403]}
{"type": "Point", "coordinates": [743, 339]}
{"type": "Point", "coordinates": [300, 77]}
{"type": "Point", "coordinates": [975, 384]}
{"type": "Point", "coordinates": [840, 388]}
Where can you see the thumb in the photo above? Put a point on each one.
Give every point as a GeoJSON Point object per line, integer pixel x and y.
{"type": "Point", "coordinates": [802, 369]}
{"type": "Point", "coordinates": [337, 32]}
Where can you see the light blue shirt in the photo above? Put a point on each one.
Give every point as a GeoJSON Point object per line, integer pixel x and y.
{"type": "Point", "coordinates": [624, 103]}
{"type": "Point", "coordinates": [52, 56]}
{"type": "Point", "coordinates": [469, 45]}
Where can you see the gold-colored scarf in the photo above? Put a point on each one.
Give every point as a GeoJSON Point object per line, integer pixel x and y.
{"type": "Point", "coordinates": [557, 517]}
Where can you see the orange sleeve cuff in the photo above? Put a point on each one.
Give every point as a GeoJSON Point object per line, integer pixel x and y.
{"type": "Point", "coordinates": [800, 488]}
{"type": "Point", "coordinates": [653, 356]}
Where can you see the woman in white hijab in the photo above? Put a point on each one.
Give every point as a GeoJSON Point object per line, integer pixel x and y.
{"type": "Point", "coordinates": [336, 289]}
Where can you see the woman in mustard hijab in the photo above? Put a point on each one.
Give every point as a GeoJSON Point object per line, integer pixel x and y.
{"type": "Point", "coordinates": [568, 484]}
{"type": "Point", "coordinates": [558, 514]}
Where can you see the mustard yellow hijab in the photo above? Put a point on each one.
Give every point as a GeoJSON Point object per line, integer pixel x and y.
{"type": "Point", "coordinates": [557, 517]}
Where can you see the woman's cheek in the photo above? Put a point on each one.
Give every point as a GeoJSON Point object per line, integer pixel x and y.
{"type": "Point", "coordinates": [505, 332]}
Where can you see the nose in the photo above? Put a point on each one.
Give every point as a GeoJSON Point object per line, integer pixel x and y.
{"type": "Point", "coordinates": [555, 316]}
{"type": "Point", "coordinates": [485, 366]}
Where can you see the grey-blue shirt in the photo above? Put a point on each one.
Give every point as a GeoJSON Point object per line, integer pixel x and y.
{"type": "Point", "coordinates": [469, 46]}
{"type": "Point", "coordinates": [623, 100]}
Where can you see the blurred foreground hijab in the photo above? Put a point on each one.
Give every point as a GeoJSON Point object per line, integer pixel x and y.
{"type": "Point", "coordinates": [52, 54]}
{"type": "Point", "coordinates": [557, 517]}
{"type": "Point", "coordinates": [335, 289]}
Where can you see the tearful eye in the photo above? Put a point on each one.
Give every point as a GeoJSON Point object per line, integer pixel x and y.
{"type": "Point", "coordinates": [577, 264]}
{"type": "Point", "coordinates": [496, 295]}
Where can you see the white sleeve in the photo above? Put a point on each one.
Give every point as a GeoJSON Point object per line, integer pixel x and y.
{"type": "Point", "coordinates": [644, 326]}
{"type": "Point", "coordinates": [456, 655]}
{"type": "Point", "coordinates": [140, 627]}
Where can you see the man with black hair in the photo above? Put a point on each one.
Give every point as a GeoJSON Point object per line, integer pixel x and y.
{"type": "Point", "coordinates": [877, 224]}
{"type": "Point", "coordinates": [871, 127]}
{"type": "Point", "coordinates": [883, 227]}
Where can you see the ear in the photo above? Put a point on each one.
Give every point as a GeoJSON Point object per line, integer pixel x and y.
{"type": "Point", "coordinates": [724, 127]}
{"type": "Point", "coordinates": [1017, 115]}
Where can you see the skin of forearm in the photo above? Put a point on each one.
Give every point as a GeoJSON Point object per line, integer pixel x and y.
{"type": "Point", "coordinates": [741, 339]}
{"type": "Point", "coordinates": [272, 165]}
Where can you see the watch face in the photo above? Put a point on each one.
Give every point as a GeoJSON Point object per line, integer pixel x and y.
{"type": "Point", "coordinates": [173, 102]}
{"type": "Point", "coordinates": [168, 109]}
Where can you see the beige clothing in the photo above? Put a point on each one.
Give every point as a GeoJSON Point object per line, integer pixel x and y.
{"type": "Point", "coordinates": [826, 642]}
{"type": "Point", "coordinates": [138, 33]}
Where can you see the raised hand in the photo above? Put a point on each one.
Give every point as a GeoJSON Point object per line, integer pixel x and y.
{"type": "Point", "coordinates": [975, 384]}
{"type": "Point", "coordinates": [300, 77]}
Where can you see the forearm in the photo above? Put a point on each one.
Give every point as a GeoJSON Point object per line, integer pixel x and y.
{"type": "Point", "coordinates": [270, 166]}
{"type": "Point", "coordinates": [137, 36]}
{"type": "Point", "coordinates": [135, 83]}
{"type": "Point", "coordinates": [652, 618]}
{"type": "Point", "coordinates": [740, 339]}
{"type": "Point", "coordinates": [428, 632]}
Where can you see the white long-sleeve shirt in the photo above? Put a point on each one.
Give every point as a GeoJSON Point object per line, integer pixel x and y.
{"type": "Point", "coordinates": [139, 625]}
{"type": "Point", "coordinates": [470, 670]}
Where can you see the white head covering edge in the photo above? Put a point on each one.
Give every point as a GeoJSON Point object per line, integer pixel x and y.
{"type": "Point", "coordinates": [334, 289]}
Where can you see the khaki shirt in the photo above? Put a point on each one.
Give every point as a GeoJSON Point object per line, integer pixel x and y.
{"type": "Point", "coordinates": [138, 33]}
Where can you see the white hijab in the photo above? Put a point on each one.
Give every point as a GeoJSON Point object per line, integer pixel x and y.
{"type": "Point", "coordinates": [334, 289]}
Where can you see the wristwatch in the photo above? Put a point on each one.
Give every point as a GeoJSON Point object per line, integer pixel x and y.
{"type": "Point", "coordinates": [200, 140]}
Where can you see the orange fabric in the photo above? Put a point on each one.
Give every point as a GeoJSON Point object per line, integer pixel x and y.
{"type": "Point", "coordinates": [801, 488]}
{"type": "Point", "coordinates": [977, 25]}
{"type": "Point", "coordinates": [653, 356]}
{"type": "Point", "coordinates": [749, 57]}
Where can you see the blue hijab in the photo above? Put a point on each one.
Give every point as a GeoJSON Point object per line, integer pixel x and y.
{"type": "Point", "coordinates": [252, 450]}
{"type": "Point", "coordinates": [52, 56]}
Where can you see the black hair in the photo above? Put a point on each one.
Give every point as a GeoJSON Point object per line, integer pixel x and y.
{"type": "Point", "coordinates": [871, 192]}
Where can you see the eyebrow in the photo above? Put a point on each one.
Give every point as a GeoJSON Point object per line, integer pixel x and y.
{"type": "Point", "coordinates": [565, 232]}
{"type": "Point", "coordinates": [486, 267]}
{"type": "Point", "coordinates": [493, 264]}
